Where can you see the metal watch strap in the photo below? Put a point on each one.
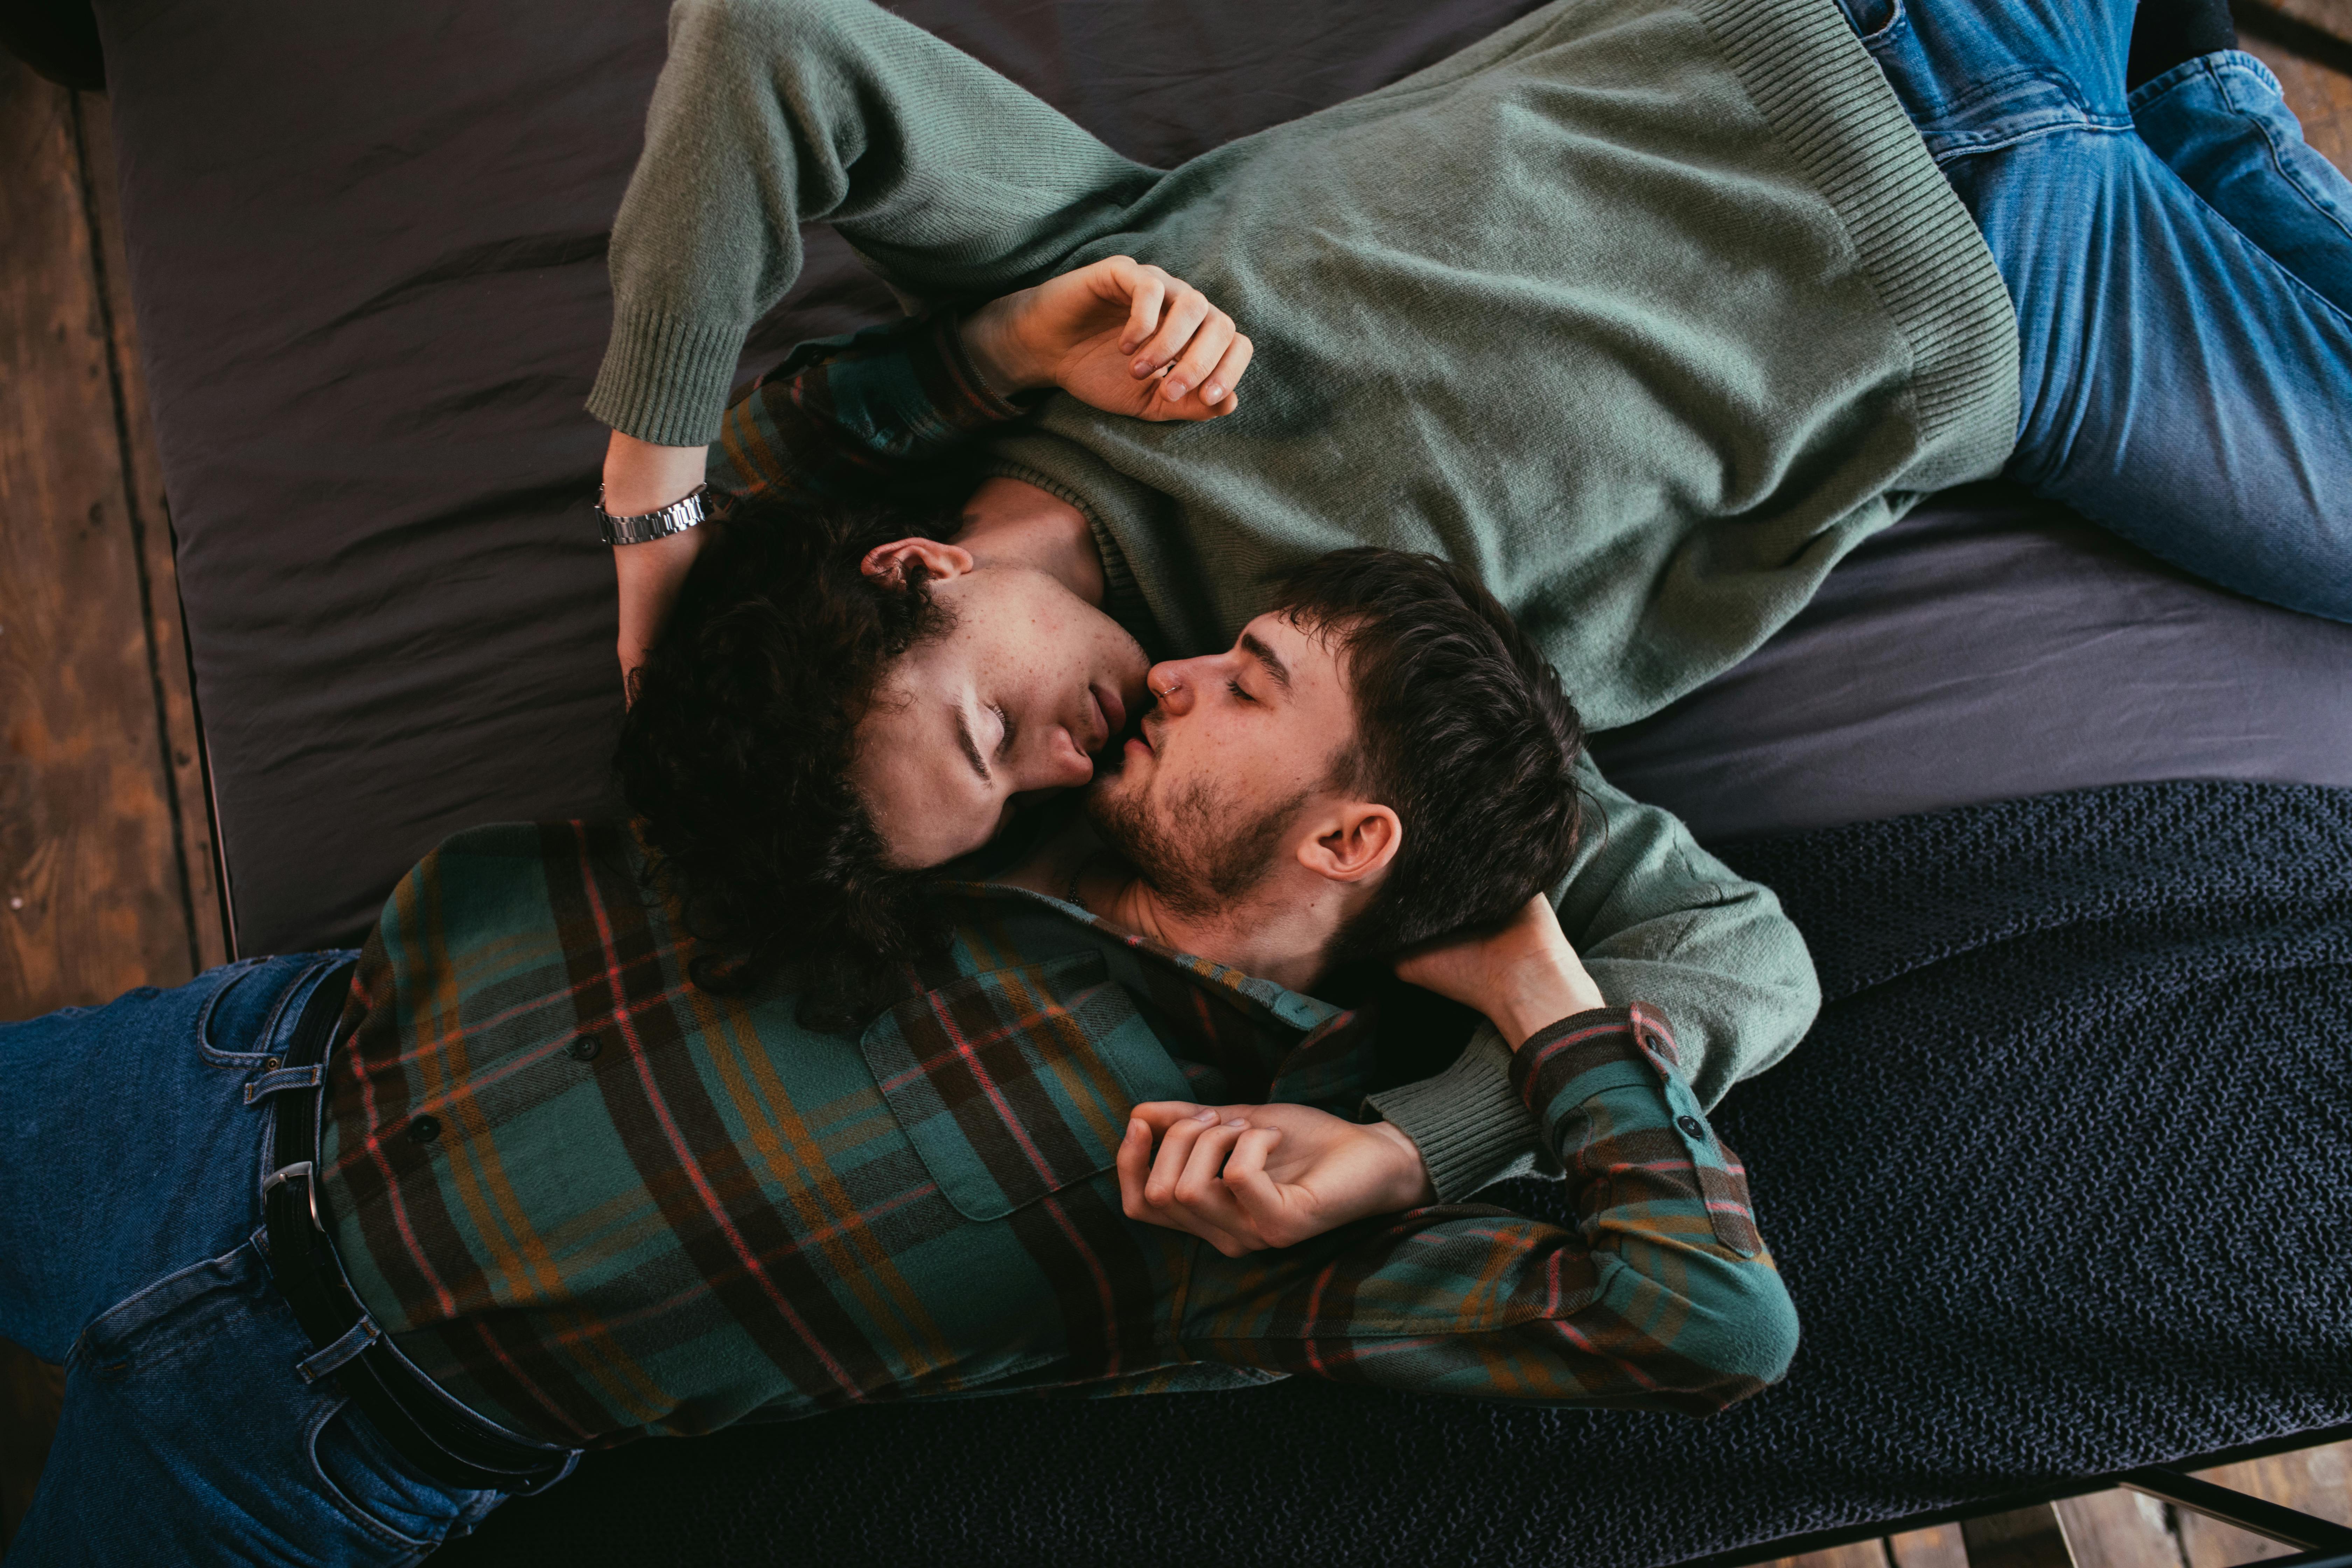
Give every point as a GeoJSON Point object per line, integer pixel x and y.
{"type": "Point", "coordinates": [675, 518]}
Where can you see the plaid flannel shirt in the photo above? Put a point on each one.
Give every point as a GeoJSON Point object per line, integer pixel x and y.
{"type": "Point", "coordinates": [594, 1201]}
{"type": "Point", "coordinates": [841, 412]}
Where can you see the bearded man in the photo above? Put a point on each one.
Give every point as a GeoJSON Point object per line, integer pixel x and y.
{"type": "Point", "coordinates": [339, 1250]}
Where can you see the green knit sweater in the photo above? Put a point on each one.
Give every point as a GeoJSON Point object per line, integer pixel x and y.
{"type": "Point", "coordinates": [1647, 312]}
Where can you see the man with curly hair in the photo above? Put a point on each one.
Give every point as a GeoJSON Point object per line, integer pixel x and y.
{"type": "Point", "coordinates": [911, 652]}
{"type": "Point", "coordinates": [1644, 311]}
{"type": "Point", "coordinates": [342, 1249]}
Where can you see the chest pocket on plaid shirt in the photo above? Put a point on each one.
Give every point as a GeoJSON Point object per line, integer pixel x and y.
{"type": "Point", "coordinates": [1017, 1083]}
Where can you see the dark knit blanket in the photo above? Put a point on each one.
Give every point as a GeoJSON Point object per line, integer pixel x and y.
{"type": "Point", "coordinates": [2059, 1181]}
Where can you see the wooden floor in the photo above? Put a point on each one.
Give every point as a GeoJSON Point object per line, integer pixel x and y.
{"type": "Point", "coordinates": [107, 868]}
{"type": "Point", "coordinates": [2126, 1530]}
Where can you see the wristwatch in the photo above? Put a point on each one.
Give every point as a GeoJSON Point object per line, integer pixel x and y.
{"type": "Point", "coordinates": [646, 527]}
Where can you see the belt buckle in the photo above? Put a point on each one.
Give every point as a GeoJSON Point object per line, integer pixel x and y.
{"type": "Point", "coordinates": [308, 1171]}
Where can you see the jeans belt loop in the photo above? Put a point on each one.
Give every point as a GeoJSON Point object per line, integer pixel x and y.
{"type": "Point", "coordinates": [319, 1364]}
{"type": "Point", "coordinates": [270, 1082]}
{"type": "Point", "coordinates": [419, 1420]}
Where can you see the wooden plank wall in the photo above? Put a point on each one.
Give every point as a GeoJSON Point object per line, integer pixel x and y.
{"type": "Point", "coordinates": [107, 870]}
{"type": "Point", "coordinates": [108, 873]}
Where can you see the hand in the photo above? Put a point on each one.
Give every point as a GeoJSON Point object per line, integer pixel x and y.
{"type": "Point", "coordinates": [1117, 335]}
{"type": "Point", "coordinates": [1247, 1177]}
{"type": "Point", "coordinates": [639, 477]}
{"type": "Point", "coordinates": [1522, 975]}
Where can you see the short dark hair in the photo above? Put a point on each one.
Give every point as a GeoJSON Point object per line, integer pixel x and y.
{"type": "Point", "coordinates": [1462, 727]}
{"type": "Point", "coordinates": [735, 754]}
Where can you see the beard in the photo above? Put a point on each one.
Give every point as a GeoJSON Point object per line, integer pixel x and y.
{"type": "Point", "coordinates": [1198, 860]}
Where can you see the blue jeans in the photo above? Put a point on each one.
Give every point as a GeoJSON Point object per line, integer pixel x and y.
{"type": "Point", "coordinates": [131, 1171]}
{"type": "Point", "coordinates": [2181, 266]}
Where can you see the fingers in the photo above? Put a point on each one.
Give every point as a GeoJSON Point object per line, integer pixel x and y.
{"type": "Point", "coordinates": [1134, 1166]}
{"type": "Point", "coordinates": [1201, 354]}
{"type": "Point", "coordinates": [1147, 292]}
{"type": "Point", "coordinates": [1260, 1200]}
{"type": "Point", "coordinates": [1186, 309]}
{"type": "Point", "coordinates": [1175, 1151]}
{"type": "Point", "coordinates": [1137, 1201]}
{"type": "Point", "coordinates": [1197, 1187]}
{"type": "Point", "coordinates": [1217, 386]}
{"type": "Point", "coordinates": [1159, 1115]}
{"type": "Point", "coordinates": [1182, 1187]}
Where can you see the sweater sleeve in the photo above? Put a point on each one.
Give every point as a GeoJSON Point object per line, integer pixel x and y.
{"type": "Point", "coordinates": [846, 410]}
{"type": "Point", "coordinates": [1661, 1297]}
{"type": "Point", "coordinates": [951, 182]}
{"type": "Point", "coordinates": [1655, 916]}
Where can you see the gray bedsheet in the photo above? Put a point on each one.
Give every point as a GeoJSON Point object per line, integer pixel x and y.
{"type": "Point", "coordinates": [1989, 646]}
{"type": "Point", "coordinates": [367, 255]}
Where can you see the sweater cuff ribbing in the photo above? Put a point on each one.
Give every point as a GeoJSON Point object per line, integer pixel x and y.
{"type": "Point", "coordinates": [1470, 1125]}
{"type": "Point", "coordinates": [665, 380]}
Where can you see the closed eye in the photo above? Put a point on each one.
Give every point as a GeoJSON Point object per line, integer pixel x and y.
{"type": "Point", "coordinates": [1235, 688]}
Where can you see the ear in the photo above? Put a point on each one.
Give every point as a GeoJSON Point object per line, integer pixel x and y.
{"type": "Point", "coordinates": [887, 563]}
{"type": "Point", "coordinates": [1357, 841]}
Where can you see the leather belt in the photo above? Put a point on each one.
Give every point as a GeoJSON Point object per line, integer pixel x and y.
{"type": "Point", "coordinates": [427, 1428]}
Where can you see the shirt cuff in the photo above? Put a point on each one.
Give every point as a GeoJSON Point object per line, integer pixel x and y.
{"type": "Point", "coordinates": [1562, 1065]}
{"type": "Point", "coordinates": [1470, 1123]}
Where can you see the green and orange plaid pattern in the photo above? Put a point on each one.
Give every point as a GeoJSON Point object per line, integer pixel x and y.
{"type": "Point", "coordinates": [596, 1202]}
{"type": "Point", "coordinates": [841, 412]}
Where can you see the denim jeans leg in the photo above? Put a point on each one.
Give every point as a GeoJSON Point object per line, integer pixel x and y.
{"type": "Point", "coordinates": [125, 1149]}
{"type": "Point", "coordinates": [1948, 60]}
{"type": "Point", "coordinates": [130, 1164]}
{"type": "Point", "coordinates": [187, 1399]}
{"type": "Point", "coordinates": [2221, 123]}
{"type": "Point", "coordinates": [2180, 385]}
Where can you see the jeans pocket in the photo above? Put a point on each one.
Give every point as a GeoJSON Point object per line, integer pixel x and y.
{"type": "Point", "coordinates": [234, 1016]}
{"type": "Point", "coordinates": [1874, 22]}
{"type": "Point", "coordinates": [183, 1314]}
{"type": "Point", "coordinates": [361, 1475]}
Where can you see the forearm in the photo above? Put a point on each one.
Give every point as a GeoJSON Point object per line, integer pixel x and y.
{"type": "Point", "coordinates": [1471, 1126]}
{"type": "Point", "coordinates": [1661, 1297]}
{"type": "Point", "coordinates": [640, 477]}
{"type": "Point", "coordinates": [772, 113]}
{"type": "Point", "coordinates": [1657, 919]}
{"type": "Point", "coordinates": [1652, 917]}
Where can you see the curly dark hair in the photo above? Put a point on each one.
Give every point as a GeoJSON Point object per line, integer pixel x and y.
{"type": "Point", "coordinates": [735, 754]}
{"type": "Point", "coordinates": [736, 750]}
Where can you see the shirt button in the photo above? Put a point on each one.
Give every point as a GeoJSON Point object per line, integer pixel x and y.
{"type": "Point", "coordinates": [1690, 1124]}
{"type": "Point", "coordinates": [425, 1129]}
{"type": "Point", "coordinates": [583, 1049]}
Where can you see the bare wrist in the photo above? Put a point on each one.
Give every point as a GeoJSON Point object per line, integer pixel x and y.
{"type": "Point", "coordinates": [1410, 1186]}
{"type": "Point", "coordinates": [640, 477]}
{"type": "Point", "coordinates": [1541, 997]}
{"type": "Point", "coordinates": [994, 350]}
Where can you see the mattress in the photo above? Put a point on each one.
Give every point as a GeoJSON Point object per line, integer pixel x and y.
{"type": "Point", "coordinates": [367, 248]}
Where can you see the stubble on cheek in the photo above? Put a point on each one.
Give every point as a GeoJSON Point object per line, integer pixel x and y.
{"type": "Point", "coordinates": [1206, 855]}
{"type": "Point", "coordinates": [1232, 861]}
